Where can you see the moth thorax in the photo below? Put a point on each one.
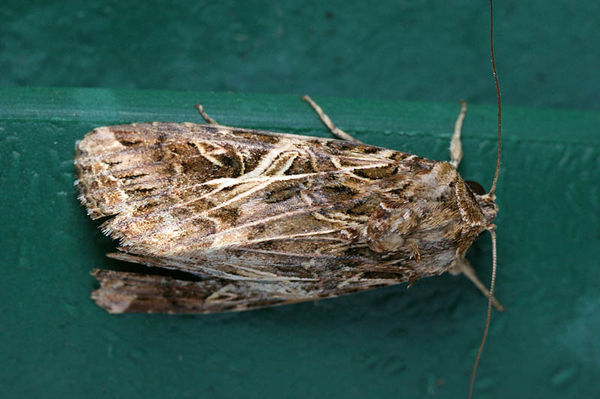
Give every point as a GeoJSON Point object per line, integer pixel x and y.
{"type": "Point", "coordinates": [388, 227]}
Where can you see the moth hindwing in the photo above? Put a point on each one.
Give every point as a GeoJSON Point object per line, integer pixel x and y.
{"type": "Point", "coordinates": [262, 218]}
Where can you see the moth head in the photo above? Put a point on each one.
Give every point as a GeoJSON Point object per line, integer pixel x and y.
{"type": "Point", "coordinates": [488, 207]}
{"type": "Point", "coordinates": [486, 202]}
{"type": "Point", "coordinates": [477, 208]}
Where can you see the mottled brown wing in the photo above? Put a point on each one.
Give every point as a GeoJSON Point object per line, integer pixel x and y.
{"type": "Point", "coordinates": [241, 205]}
{"type": "Point", "coordinates": [123, 292]}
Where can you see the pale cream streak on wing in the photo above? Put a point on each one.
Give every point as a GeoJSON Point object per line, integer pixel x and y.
{"type": "Point", "coordinates": [268, 158]}
{"type": "Point", "coordinates": [354, 218]}
{"type": "Point", "coordinates": [369, 281]}
{"type": "Point", "coordinates": [204, 215]}
{"type": "Point", "coordinates": [125, 217]}
{"type": "Point", "coordinates": [259, 275]}
{"type": "Point", "coordinates": [276, 238]}
{"type": "Point", "coordinates": [306, 198]}
{"type": "Point", "coordinates": [160, 210]}
{"type": "Point", "coordinates": [283, 168]}
{"type": "Point", "coordinates": [207, 154]}
{"type": "Point", "coordinates": [150, 166]}
{"type": "Point", "coordinates": [232, 230]}
{"type": "Point", "coordinates": [256, 272]}
{"type": "Point", "coordinates": [355, 278]}
{"type": "Point", "coordinates": [229, 276]}
{"type": "Point", "coordinates": [226, 182]}
{"type": "Point", "coordinates": [239, 197]}
{"type": "Point", "coordinates": [242, 163]}
{"type": "Point", "coordinates": [336, 162]}
{"type": "Point", "coordinates": [386, 153]}
{"type": "Point", "coordinates": [185, 263]}
{"type": "Point", "coordinates": [313, 159]}
{"type": "Point", "coordinates": [368, 160]}
{"type": "Point", "coordinates": [318, 216]}
{"type": "Point", "coordinates": [339, 217]}
{"type": "Point", "coordinates": [226, 238]}
{"type": "Point", "coordinates": [291, 254]}
{"type": "Point", "coordinates": [318, 238]}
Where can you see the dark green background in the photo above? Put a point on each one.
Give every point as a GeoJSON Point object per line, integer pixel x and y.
{"type": "Point", "coordinates": [548, 51]}
{"type": "Point", "coordinates": [393, 342]}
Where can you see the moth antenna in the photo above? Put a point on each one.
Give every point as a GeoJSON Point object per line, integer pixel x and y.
{"type": "Point", "coordinates": [491, 194]}
{"type": "Point", "coordinates": [489, 313]}
{"type": "Point", "coordinates": [493, 189]}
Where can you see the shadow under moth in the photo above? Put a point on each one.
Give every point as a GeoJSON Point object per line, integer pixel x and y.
{"type": "Point", "coordinates": [264, 219]}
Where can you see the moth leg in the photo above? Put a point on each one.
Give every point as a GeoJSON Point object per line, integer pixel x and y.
{"type": "Point", "coordinates": [204, 115]}
{"type": "Point", "coordinates": [456, 152]}
{"type": "Point", "coordinates": [339, 133]}
{"type": "Point", "coordinates": [463, 266]}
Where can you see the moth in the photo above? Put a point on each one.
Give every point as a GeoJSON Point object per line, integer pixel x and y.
{"type": "Point", "coordinates": [263, 218]}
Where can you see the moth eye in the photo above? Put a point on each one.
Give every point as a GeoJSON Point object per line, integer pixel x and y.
{"type": "Point", "coordinates": [475, 187]}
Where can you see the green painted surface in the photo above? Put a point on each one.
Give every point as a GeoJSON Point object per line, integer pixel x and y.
{"type": "Point", "coordinates": [423, 50]}
{"type": "Point", "coordinates": [394, 342]}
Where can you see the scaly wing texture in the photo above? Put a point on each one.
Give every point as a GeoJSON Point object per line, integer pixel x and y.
{"type": "Point", "coordinates": [122, 292]}
{"type": "Point", "coordinates": [249, 208]}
